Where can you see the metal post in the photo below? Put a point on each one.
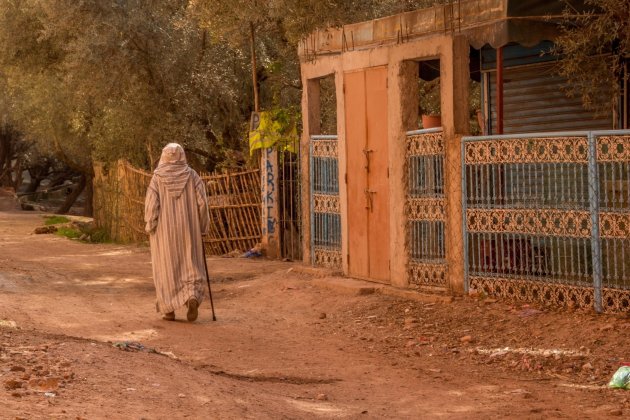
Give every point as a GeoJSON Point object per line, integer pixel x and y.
{"type": "Point", "coordinates": [626, 101]}
{"type": "Point", "coordinates": [593, 195]}
{"type": "Point", "coordinates": [311, 182]}
{"type": "Point", "coordinates": [464, 219]}
{"type": "Point", "coordinates": [500, 90]}
{"type": "Point", "coordinates": [270, 204]}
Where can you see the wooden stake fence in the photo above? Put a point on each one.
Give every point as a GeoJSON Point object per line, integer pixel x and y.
{"type": "Point", "coordinates": [234, 201]}
{"type": "Point", "coordinates": [233, 197]}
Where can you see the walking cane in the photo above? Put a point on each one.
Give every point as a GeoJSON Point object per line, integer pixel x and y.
{"type": "Point", "coordinates": [205, 264]}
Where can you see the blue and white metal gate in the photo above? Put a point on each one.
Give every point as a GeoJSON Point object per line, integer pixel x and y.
{"type": "Point", "coordinates": [547, 217]}
{"type": "Point", "coordinates": [426, 219]}
{"type": "Point", "coordinates": [325, 205]}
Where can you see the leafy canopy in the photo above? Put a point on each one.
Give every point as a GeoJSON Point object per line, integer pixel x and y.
{"type": "Point", "coordinates": [594, 45]}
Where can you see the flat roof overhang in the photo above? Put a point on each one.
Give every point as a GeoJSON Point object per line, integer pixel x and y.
{"type": "Point", "coordinates": [483, 22]}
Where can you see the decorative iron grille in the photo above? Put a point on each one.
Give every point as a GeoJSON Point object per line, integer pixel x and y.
{"type": "Point", "coordinates": [290, 205]}
{"type": "Point", "coordinates": [425, 208]}
{"type": "Point", "coordinates": [547, 217]}
{"type": "Point", "coordinates": [325, 207]}
{"type": "Point", "coordinates": [613, 181]}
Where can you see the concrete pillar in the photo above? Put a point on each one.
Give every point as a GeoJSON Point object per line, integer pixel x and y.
{"type": "Point", "coordinates": [454, 76]}
{"type": "Point", "coordinates": [403, 116]}
{"type": "Point", "coordinates": [270, 202]}
{"type": "Point", "coordinates": [311, 123]}
{"type": "Point", "coordinates": [342, 165]}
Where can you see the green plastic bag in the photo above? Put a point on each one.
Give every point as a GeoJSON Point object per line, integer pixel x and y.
{"type": "Point", "coordinates": [621, 378]}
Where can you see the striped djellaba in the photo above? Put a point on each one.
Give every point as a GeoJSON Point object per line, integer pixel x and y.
{"type": "Point", "coordinates": [176, 213]}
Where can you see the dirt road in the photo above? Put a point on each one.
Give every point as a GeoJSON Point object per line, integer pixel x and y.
{"type": "Point", "coordinates": [281, 348]}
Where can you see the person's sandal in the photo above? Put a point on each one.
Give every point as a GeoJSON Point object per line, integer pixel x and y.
{"type": "Point", "coordinates": [169, 316]}
{"type": "Point", "coordinates": [193, 310]}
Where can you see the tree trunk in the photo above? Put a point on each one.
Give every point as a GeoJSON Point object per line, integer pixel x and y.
{"type": "Point", "coordinates": [152, 165]}
{"type": "Point", "coordinates": [89, 197]}
{"type": "Point", "coordinates": [252, 42]}
{"type": "Point", "coordinates": [37, 172]}
{"type": "Point", "coordinates": [72, 197]}
{"type": "Point", "coordinates": [34, 185]}
{"type": "Point", "coordinates": [5, 159]}
{"type": "Point", "coordinates": [59, 178]}
{"type": "Point", "coordinates": [18, 175]}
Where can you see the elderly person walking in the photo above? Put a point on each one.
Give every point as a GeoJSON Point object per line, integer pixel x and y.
{"type": "Point", "coordinates": [176, 213]}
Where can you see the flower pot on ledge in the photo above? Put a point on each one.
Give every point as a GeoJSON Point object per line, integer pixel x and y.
{"type": "Point", "coordinates": [431, 121]}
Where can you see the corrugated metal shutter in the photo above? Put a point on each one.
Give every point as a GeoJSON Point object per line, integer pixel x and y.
{"type": "Point", "coordinates": [535, 102]}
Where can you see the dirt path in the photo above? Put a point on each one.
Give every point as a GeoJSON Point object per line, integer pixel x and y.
{"type": "Point", "coordinates": [272, 353]}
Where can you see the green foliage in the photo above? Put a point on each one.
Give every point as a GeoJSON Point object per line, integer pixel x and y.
{"type": "Point", "coordinates": [101, 81]}
{"type": "Point", "coordinates": [75, 230]}
{"type": "Point", "coordinates": [276, 128]}
{"type": "Point", "coordinates": [429, 96]}
{"type": "Point", "coordinates": [91, 80]}
{"type": "Point", "coordinates": [328, 109]}
{"type": "Point", "coordinates": [56, 220]}
{"type": "Point", "coordinates": [474, 105]}
{"type": "Point", "coordinates": [430, 101]}
{"type": "Point", "coordinates": [68, 232]}
{"type": "Point", "coordinates": [279, 26]}
{"type": "Point", "coordinates": [100, 236]}
{"type": "Point", "coordinates": [594, 44]}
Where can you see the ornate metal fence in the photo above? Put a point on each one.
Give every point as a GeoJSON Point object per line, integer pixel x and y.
{"type": "Point", "coordinates": [547, 217]}
{"type": "Point", "coordinates": [425, 208]}
{"type": "Point", "coordinates": [325, 208]}
{"type": "Point", "coordinates": [290, 220]}
{"type": "Point", "coordinates": [613, 180]}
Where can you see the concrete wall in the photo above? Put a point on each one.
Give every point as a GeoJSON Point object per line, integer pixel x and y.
{"type": "Point", "coordinates": [453, 52]}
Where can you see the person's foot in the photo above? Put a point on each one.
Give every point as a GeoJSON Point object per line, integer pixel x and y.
{"type": "Point", "coordinates": [193, 310]}
{"type": "Point", "coordinates": [169, 316]}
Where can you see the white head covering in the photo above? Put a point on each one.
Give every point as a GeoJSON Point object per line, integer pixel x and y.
{"type": "Point", "coordinates": [173, 170]}
{"type": "Point", "coordinates": [173, 153]}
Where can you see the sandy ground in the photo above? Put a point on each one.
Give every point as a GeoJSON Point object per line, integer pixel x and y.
{"type": "Point", "coordinates": [281, 348]}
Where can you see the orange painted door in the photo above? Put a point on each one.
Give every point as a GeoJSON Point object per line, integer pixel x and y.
{"type": "Point", "coordinates": [356, 138]}
{"type": "Point", "coordinates": [367, 168]}
{"type": "Point", "coordinates": [378, 173]}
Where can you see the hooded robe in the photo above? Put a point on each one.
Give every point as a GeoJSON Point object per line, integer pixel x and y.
{"type": "Point", "coordinates": [176, 212]}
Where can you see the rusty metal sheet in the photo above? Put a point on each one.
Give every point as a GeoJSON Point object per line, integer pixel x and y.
{"type": "Point", "coordinates": [535, 102]}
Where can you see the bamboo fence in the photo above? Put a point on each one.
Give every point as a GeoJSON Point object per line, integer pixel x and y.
{"type": "Point", "coordinates": [234, 203]}
{"type": "Point", "coordinates": [233, 197]}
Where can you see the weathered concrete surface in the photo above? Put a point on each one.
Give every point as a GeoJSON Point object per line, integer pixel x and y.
{"type": "Point", "coordinates": [347, 286]}
{"type": "Point", "coordinates": [355, 287]}
{"type": "Point", "coordinates": [414, 295]}
{"type": "Point", "coordinates": [405, 27]}
{"type": "Point", "coordinates": [315, 271]}
{"type": "Point", "coordinates": [452, 50]}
